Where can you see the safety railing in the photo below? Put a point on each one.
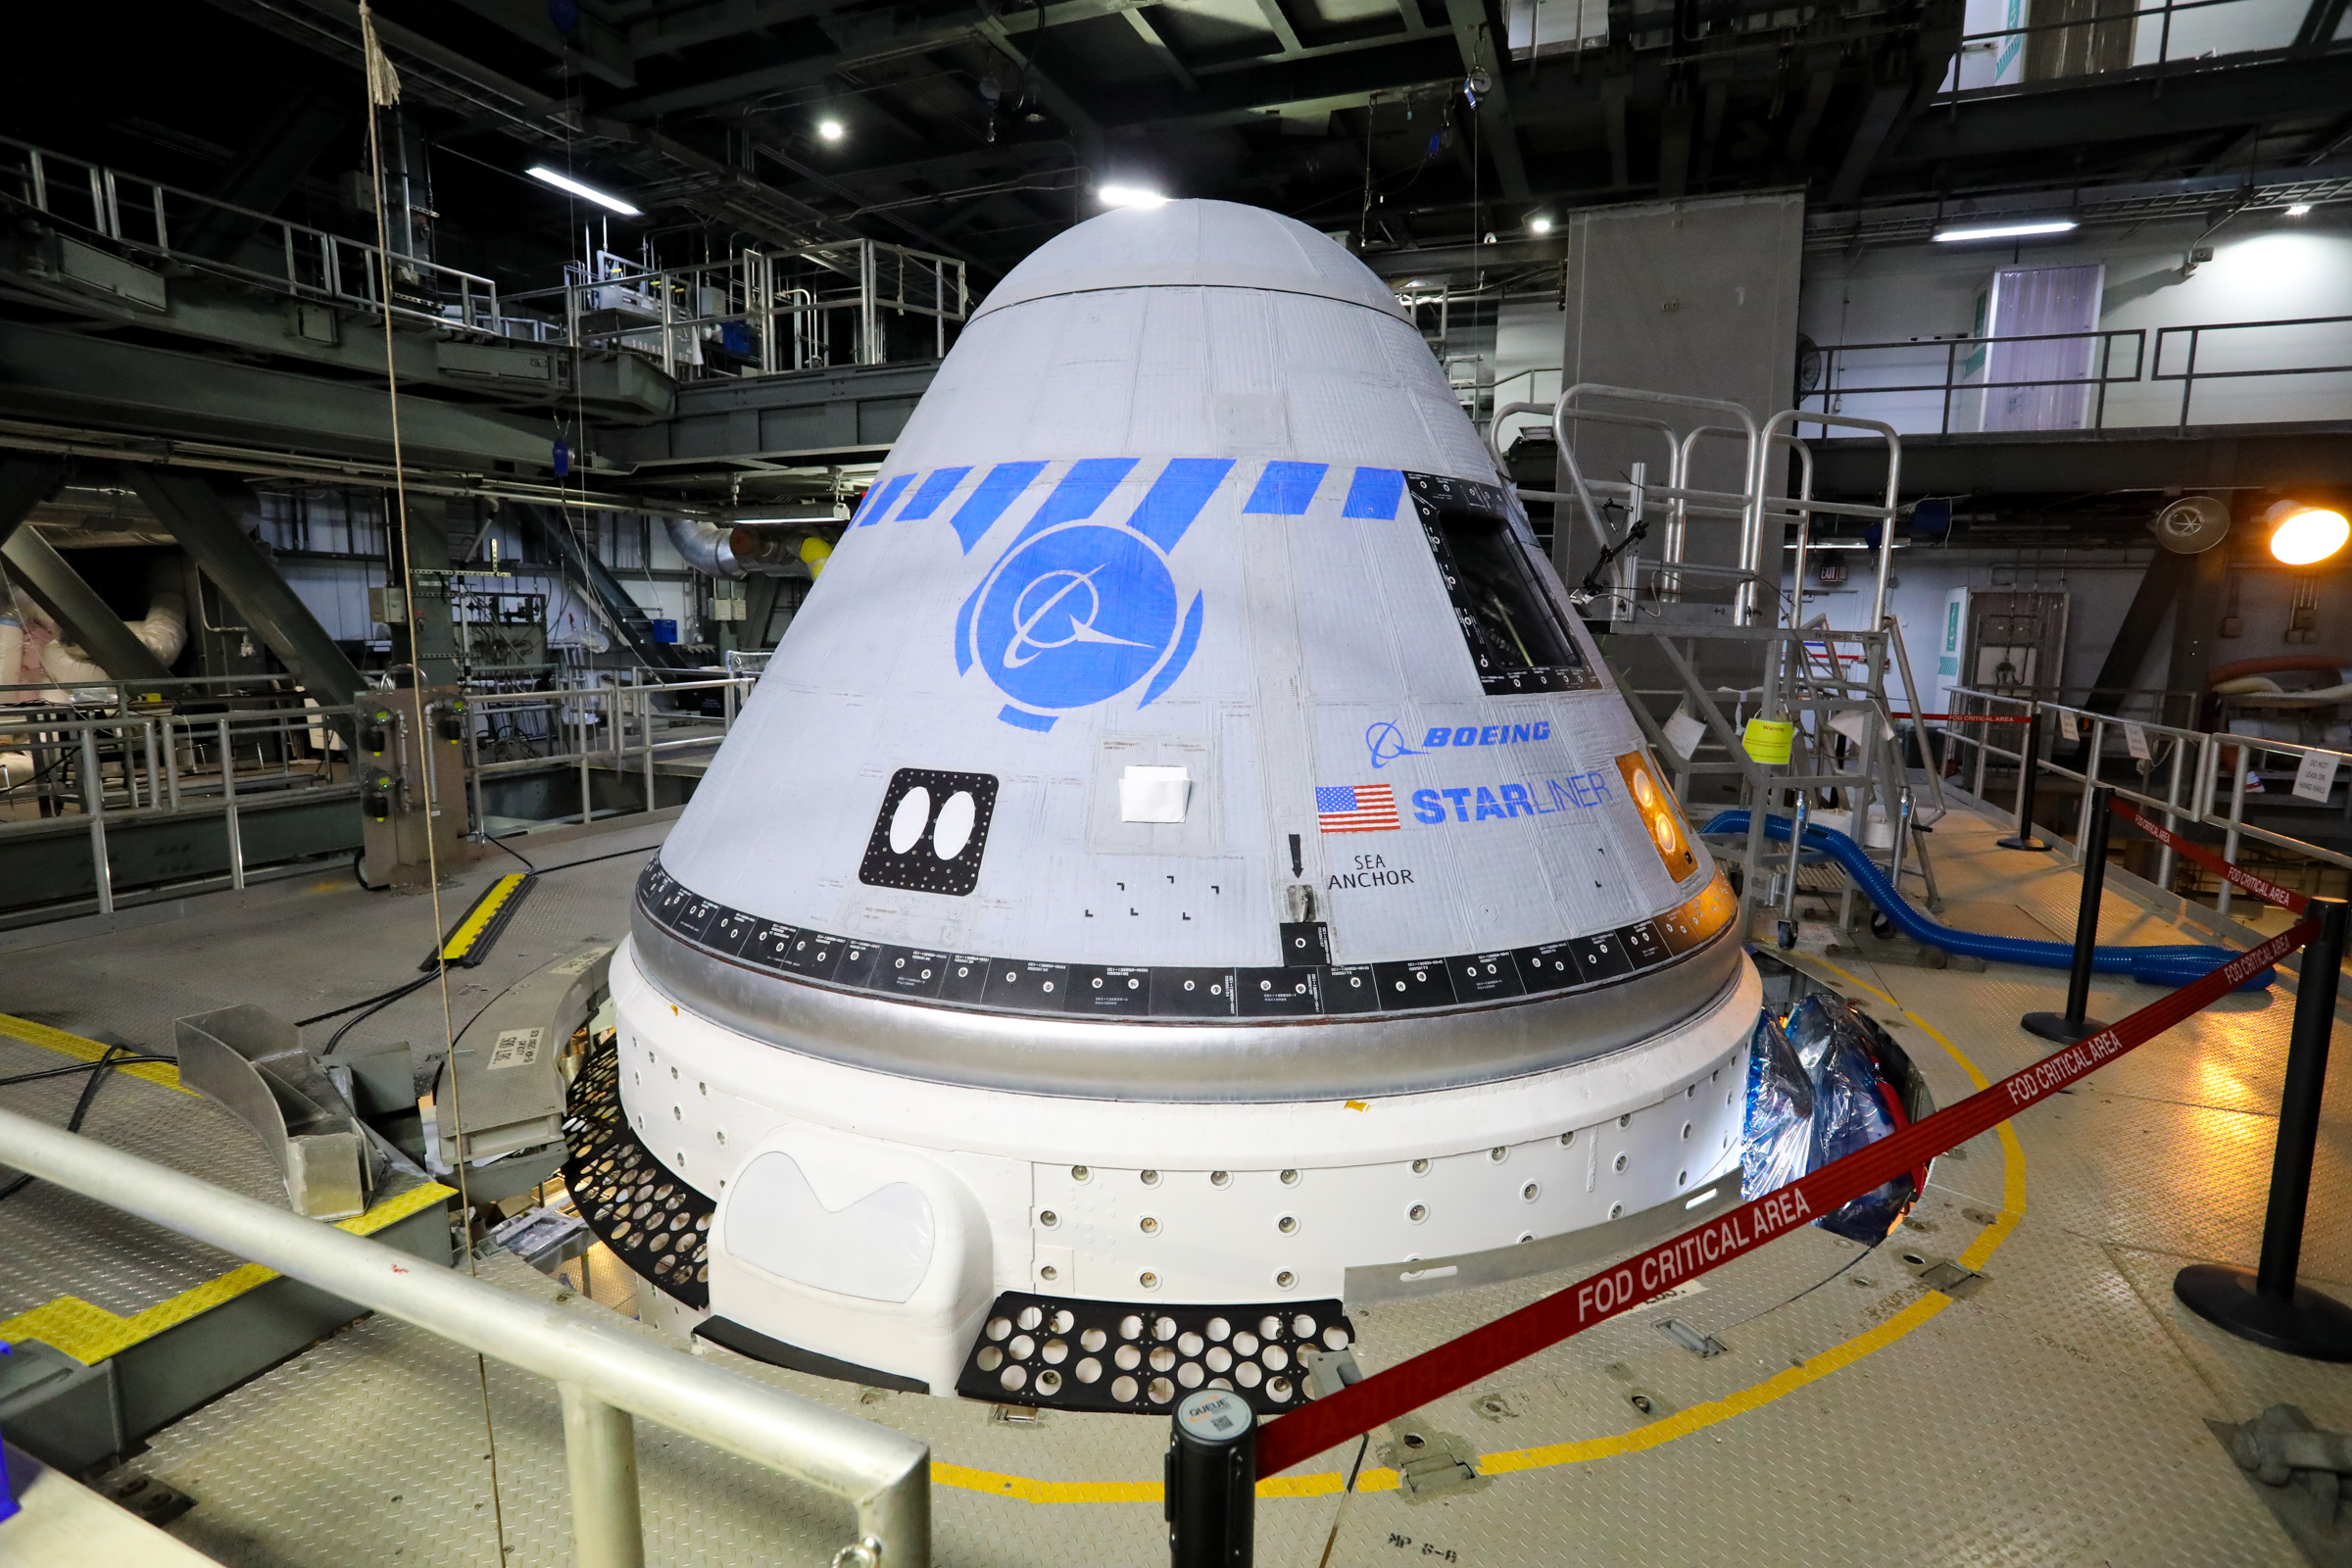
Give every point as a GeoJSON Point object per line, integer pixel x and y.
{"type": "Point", "coordinates": [616, 729]}
{"type": "Point", "coordinates": [2107, 379]}
{"type": "Point", "coordinates": [758, 313]}
{"type": "Point", "coordinates": [148, 218]}
{"type": "Point", "coordinates": [115, 771]}
{"type": "Point", "coordinates": [1969, 372]}
{"type": "Point", "coordinates": [605, 1374]}
{"type": "Point", "coordinates": [2189, 778]}
{"type": "Point", "coordinates": [2188, 375]}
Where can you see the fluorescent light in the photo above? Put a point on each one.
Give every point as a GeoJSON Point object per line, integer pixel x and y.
{"type": "Point", "coordinates": [1539, 225]}
{"type": "Point", "coordinates": [830, 129]}
{"type": "Point", "coordinates": [584, 192]}
{"type": "Point", "coordinates": [2299, 209]}
{"type": "Point", "coordinates": [2049, 225]}
{"type": "Point", "coordinates": [1129, 196]}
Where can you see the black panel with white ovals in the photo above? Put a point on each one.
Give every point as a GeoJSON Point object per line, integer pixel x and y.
{"type": "Point", "coordinates": [1135, 1357]}
{"type": "Point", "coordinates": [1188, 993]}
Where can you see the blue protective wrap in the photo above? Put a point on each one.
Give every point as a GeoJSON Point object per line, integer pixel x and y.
{"type": "Point", "coordinates": [2170, 966]}
{"type": "Point", "coordinates": [1777, 1137]}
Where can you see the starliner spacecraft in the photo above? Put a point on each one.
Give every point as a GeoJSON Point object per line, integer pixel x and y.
{"type": "Point", "coordinates": [1186, 848]}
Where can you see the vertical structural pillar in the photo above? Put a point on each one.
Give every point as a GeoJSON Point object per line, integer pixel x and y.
{"type": "Point", "coordinates": [599, 1450]}
{"type": "Point", "coordinates": [2269, 1306]}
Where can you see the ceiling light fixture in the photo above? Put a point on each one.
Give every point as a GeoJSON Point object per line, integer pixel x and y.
{"type": "Point", "coordinates": [2299, 209]}
{"type": "Point", "coordinates": [565, 182]}
{"type": "Point", "coordinates": [1129, 196]}
{"type": "Point", "coordinates": [2304, 536]}
{"type": "Point", "coordinates": [830, 129]}
{"type": "Point", "coordinates": [1539, 225]}
{"type": "Point", "coordinates": [2049, 225]}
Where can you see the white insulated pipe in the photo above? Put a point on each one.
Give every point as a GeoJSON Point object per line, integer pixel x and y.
{"type": "Point", "coordinates": [164, 629]}
{"type": "Point", "coordinates": [886, 1475]}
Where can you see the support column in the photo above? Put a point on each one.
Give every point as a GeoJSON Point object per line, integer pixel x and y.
{"type": "Point", "coordinates": [428, 640]}
{"type": "Point", "coordinates": [213, 535]}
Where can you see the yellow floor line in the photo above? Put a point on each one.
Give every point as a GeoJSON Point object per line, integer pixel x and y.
{"type": "Point", "coordinates": [80, 1049]}
{"type": "Point", "coordinates": [1583, 1450]}
{"type": "Point", "coordinates": [91, 1334]}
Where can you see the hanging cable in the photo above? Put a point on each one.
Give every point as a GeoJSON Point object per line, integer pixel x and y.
{"type": "Point", "coordinates": [384, 92]}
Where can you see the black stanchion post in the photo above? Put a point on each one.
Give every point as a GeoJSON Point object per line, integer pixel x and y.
{"type": "Point", "coordinates": [1211, 1505]}
{"type": "Point", "coordinates": [2071, 1025]}
{"type": "Point", "coordinates": [2029, 765]}
{"type": "Point", "coordinates": [2267, 1306]}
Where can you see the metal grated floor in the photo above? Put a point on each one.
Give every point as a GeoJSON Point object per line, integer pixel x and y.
{"type": "Point", "coordinates": [2055, 1416]}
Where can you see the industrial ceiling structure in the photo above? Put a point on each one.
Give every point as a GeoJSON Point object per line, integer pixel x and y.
{"type": "Point", "coordinates": [978, 130]}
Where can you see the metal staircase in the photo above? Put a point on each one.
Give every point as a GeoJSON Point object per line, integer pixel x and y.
{"type": "Point", "coordinates": [1822, 693]}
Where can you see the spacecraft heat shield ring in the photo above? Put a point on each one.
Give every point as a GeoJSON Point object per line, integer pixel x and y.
{"type": "Point", "coordinates": [885, 1474]}
{"type": "Point", "coordinates": [1239, 1060]}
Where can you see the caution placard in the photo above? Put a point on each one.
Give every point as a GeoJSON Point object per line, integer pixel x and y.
{"type": "Point", "coordinates": [1769, 741]}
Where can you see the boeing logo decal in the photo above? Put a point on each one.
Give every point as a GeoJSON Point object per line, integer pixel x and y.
{"type": "Point", "coordinates": [1077, 610]}
{"type": "Point", "coordinates": [1385, 742]}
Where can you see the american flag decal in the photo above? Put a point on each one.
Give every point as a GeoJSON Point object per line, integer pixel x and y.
{"type": "Point", "coordinates": [1357, 809]}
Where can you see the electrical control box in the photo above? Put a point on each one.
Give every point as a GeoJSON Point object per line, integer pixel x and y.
{"type": "Point", "coordinates": [410, 764]}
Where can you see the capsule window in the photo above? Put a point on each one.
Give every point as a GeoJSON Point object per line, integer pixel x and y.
{"type": "Point", "coordinates": [1517, 633]}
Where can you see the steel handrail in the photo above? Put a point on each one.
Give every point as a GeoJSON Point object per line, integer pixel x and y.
{"type": "Point", "coordinates": [1834, 353]}
{"type": "Point", "coordinates": [607, 1374]}
{"type": "Point", "coordinates": [2188, 375]}
{"type": "Point", "coordinates": [106, 213]}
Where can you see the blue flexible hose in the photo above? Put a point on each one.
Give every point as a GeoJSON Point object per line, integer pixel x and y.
{"type": "Point", "coordinates": [2170, 966]}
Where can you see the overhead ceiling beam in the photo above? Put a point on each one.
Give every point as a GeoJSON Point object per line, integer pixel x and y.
{"type": "Point", "coordinates": [1292, 86]}
{"type": "Point", "coordinates": [1025, 156]}
{"type": "Point", "coordinates": [1677, 123]}
{"type": "Point", "coordinates": [594, 45]}
{"type": "Point", "coordinates": [1473, 37]}
{"type": "Point", "coordinates": [1085, 130]}
{"type": "Point", "coordinates": [1161, 51]}
{"type": "Point", "coordinates": [264, 173]}
{"type": "Point", "coordinates": [1879, 111]}
{"type": "Point", "coordinates": [858, 40]}
{"type": "Point", "coordinates": [1818, 87]}
{"type": "Point", "coordinates": [668, 31]}
{"type": "Point", "coordinates": [1908, 76]}
{"type": "Point", "coordinates": [1278, 22]}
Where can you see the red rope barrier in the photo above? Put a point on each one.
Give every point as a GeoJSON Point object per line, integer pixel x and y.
{"type": "Point", "coordinates": [1455, 1365]}
{"type": "Point", "coordinates": [1971, 718]}
{"type": "Point", "coordinates": [2262, 886]}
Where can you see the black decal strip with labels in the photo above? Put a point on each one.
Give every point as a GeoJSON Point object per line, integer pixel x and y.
{"type": "Point", "coordinates": [1192, 994]}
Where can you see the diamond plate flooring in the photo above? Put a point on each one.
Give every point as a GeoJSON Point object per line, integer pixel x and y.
{"type": "Point", "coordinates": [2056, 1415]}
